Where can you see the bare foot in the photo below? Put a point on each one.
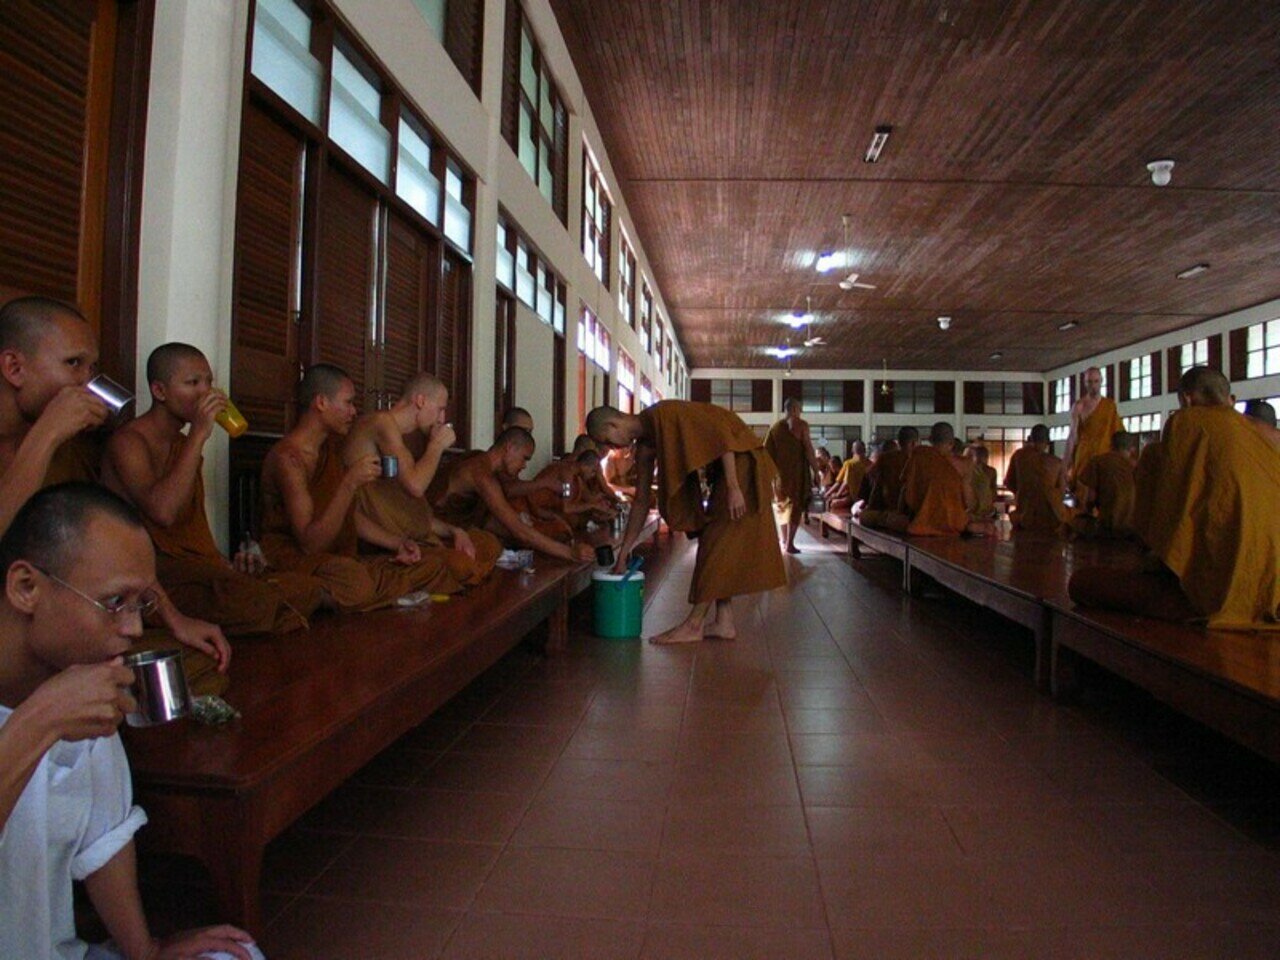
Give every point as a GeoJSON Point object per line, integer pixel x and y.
{"type": "Point", "coordinates": [720, 632]}
{"type": "Point", "coordinates": [791, 548]}
{"type": "Point", "coordinates": [684, 633]}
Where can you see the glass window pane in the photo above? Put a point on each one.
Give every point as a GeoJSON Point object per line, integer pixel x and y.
{"type": "Point", "coordinates": [528, 151]}
{"type": "Point", "coordinates": [354, 122]}
{"type": "Point", "coordinates": [528, 72]}
{"type": "Point", "coordinates": [545, 112]}
{"type": "Point", "coordinates": [1273, 333]}
{"type": "Point", "coordinates": [1256, 365]}
{"type": "Point", "coordinates": [282, 56]}
{"type": "Point", "coordinates": [433, 12]}
{"type": "Point", "coordinates": [415, 184]}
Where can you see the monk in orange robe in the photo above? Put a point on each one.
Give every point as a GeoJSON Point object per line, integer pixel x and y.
{"type": "Point", "coordinates": [937, 489]}
{"type": "Point", "coordinates": [309, 520]}
{"type": "Point", "coordinates": [737, 538]}
{"type": "Point", "coordinates": [577, 475]}
{"type": "Point", "coordinates": [1262, 417]}
{"type": "Point", "coordinates": [1039, 483]}
{"type": "Point", "coordinates": [473, 496]}
{"type": "Point", "coordinates": [1214, 526]}
{"type": "Point", "coordinates": [1094, 421]}
{"type": "Point", "coordinates": [789, 444]}
{"type": "Point", "coordinates": [884, 507]}
{"type": "Point", "coordinates": [159, 469]}
{"type": "Point", "coordinates": [983, 481]}
{"type": "Point", "coordinates": [398, 504]}
{"type": "Point", "coordinates": [847, 489]}
{"type": "Point", "coordinates": [1109, 480]}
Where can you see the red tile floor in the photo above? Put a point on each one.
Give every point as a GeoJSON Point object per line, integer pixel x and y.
{"type": "Point", "coordinates": [859, 775]}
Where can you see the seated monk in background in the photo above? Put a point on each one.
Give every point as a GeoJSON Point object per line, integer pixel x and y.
{"type": "Point", "coordinates": [791, 448]}
{"type": "Point", "coordinates": [620, 472]}
{"type": "Point", "coordinates": [883, 506]}
{"type": "Point", "coordinates": [937, 490]}
{"type": "Point", "coordinates": [1146, 481]}
{"type": "Point", "coordinates": [1214, 527]}
{"type": "Point", "coordinates": [1109, 480]}
{"type": "Point", "coordinates": [473, 497]}
{"type": "Point", "coordinates": [983, 480]}
{"type": "Point", "coordinates": [1262, 417]}
{"type": "Point", "coordinates": [159, 469]}
{"type": "Point", "coordinates": [1038, 480]}
{"type": "Point", "coordinates": [308, 507]}
{"type": "Point", "coordinates": [737, 536]}
{"type": "Point", "coordinates": [583, 504]}
{"type": "Point", "coordinates": [593, 480]}
{"type": "Point", "coordinates": [848, 486]}
{"type": "Point", "coordinates": [398, 504]}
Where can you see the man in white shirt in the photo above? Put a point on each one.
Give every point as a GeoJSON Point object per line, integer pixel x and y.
{"type": "Point", "coordinates": [79, 574]}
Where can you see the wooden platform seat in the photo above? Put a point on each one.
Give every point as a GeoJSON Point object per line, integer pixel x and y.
{"type": "Point", "coordinates": [833, 521]}
{"type": "Point", "coordinates": [318, 706]}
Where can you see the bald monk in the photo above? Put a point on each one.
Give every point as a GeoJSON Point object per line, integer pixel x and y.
{"type": "Point", "coordinates": [1109, 479]}
{"type": "Point", "coordinates": [826, 473]}
{"type": "Point", "coordinates": [1262, 417]}
{"type": "Point", "coordinates": [593, 480]}
{"type": "Point", "coordinates": [883, 507]}
{"type": "Point", "coordinates": [473, 497]}
{"type": "Point", "coordinates": [847, 489]}
{"type": "Point", "coordinates": [737, 537]}
{"type": "Point", "coordinates": [516, 417]}
{"type": "Point", "coordinates": [983, 480]}
{"type": "Point", "coordinates": [399, 504]}
{"type": "Point", "coordinates": [159, 469]}
{"type": "Point", "coordinates": [789, 444]}
{"type": "Point", "coordinates": [1214, 528]}
{"type": "Point", "coordinates": [309, 520]}
{"type": "Point", "coordinates": [1039, 483]}
{"type": "Point", "coordinates": [583, 504]}
{"type": "Point", "coordinates": [48, 352]}
{"type": "Point", "coordinates": [1094, 421]}
{"type": "Point", "coordinates": [937, 489]}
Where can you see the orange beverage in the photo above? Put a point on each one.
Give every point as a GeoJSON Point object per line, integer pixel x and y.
{"type": "Point", "coordinates": [232, 420]}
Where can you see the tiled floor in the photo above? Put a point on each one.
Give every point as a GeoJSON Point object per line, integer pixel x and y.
{"type": "Point", "coordinates": [860, 775]}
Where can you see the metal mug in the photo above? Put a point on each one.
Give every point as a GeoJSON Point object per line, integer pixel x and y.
{"type": "Point", "coordinates": [159, 686]}
{"type": "Point", "coordinates": [390, 465]}
{"type": "Point", "coordinates": [109, 392]}
{"type": "Point", "coordinates": [604, 555]}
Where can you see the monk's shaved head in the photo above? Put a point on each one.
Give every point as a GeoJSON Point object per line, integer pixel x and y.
{"type": "Point", "coordinates": [320, 380]}
{"type": "Point", "coordinates": [1039, 434]}
{"type": "Point", "coordinates": [1205, 387]}
{"type": "Point", "coordinates": [585, 457]}
{"type": "Point", "coordinates": [790, 404]}
{"type": "Point", "coordinates": [582, 442]}
{"type": "Point", "coordinates": [424, 384]}
{"type": "Point", "coordinates": [859, 448]}
{"type": "Point", "coordinates": [941, 434]}
{"type": "Point", "coordinates": [24, 320]}
{"type": "Point", "coordinates": [599, 420]}
{"type": "Point", "coordinates": [1260, 410]}
{"type": "Point", "coordinates": [515, 438]}
{"type": "Point", "coordinates": [165, 358]}
{"type": "Point", "coordinates": [908, 435]}
{"type": "Point", "coordinates": [517, 417]}
{"type": "Point", "coordinates": [1123, 440]}
{"type": "Point", "coordinates": [981, 454]}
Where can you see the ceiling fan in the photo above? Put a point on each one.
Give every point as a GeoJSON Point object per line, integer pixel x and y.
{"type": "Point", "coordinates": [811, 340]}
{"type": "Point", "coordinates": [850, 282]}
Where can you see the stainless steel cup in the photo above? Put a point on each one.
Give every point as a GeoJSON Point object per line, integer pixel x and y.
{"type": "Point", "coordinates": [159, 686]}
{"type": "Point", "coordinates": [390, 465]}
{"type": "Point", "coordinates": [109, 392]}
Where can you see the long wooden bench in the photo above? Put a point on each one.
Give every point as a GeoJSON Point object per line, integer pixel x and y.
{"type": "Point", "coordinates": [833, 521]}
{"type": "Point", "coordinates": [316, 707]}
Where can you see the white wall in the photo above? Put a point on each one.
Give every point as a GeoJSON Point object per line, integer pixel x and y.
{"type": "Point", "coordinates": [535, 342]}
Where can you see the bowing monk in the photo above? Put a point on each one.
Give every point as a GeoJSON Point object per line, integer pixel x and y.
{"type": "Point", "coordinates": [1094, 421]}
{"type": "Point", "coordinates": [1214, 527]}
{"type": "Point", "coordinates": [1038, 480]}
{"type": "Point", "coordinates": [847, 489]}
{"type": "Point", "coordinates": [1109, 479]}
{"type": "Point", "coordinates": [576, 475]}
{"type": "Point", "coordinates": [48, 352]}
{"type": "Point", "coordinates": [309, 521]}
{"type": "Point", "coordinates": [473, 497]}
{"type": "Point", "coordinates": [159, 469]}
{"type": "Point", "coordinates": [791, 448]}
{"type": "Point", "coordinates": [883, 506]}
{"type": "Point", "coordinates": [398, 504]}
{"type": "Point", "coordinates": [737, 537]}
{"type": "Point", "coordinates": [983, 481]}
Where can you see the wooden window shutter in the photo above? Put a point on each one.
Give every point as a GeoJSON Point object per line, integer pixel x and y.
{"type": "Point", "coordinates": [853, 400]}
{"type": "Point", "coordinates": [1215, 354]}
{"type": "Point", "coordinates": [1111, 381]}
{"type": "Point", "coordinates": [264, 329]}
{"type": "Point", "coordinates": [1238, 341]}
{"type": "Point", "coordinates": [1174, 367]}
{"type": "Point", "coordinates": [700, 391]}
{"type": "Point", "coordinates": [761, 396]}
{"type": "Point", "coordinates": [1157, 381]}
{"type": "Point", "coordinates": [464, 37]}
{"type": "Point", "coordinates": [452, 337]}
{"type": "Point", "coordinates": [44, 78]}
{"type": "Point", "coordinates": [560, 162]}
{"type": "Point", "coordinates": [606, 244]}
{"type": "Point", "coordinates": [345, 278]}
{"type": "Point", "coordinates": [974, 396]}
{"type": "Point", "coordinates": [511, 76]}
{"type": "Point", "coordinates": [791, 390]}
{"type": "Point", "coordinates": [559, 384]}
{"type": "Point", "coordinates": [881, 401]}
{"type": "Point", "coordinates": [1033, 398]}
{"type": "Point", "coordinates": [944, 396]}
{"type": "Point", "coordinates": [1123, 392]}
{"type": "Point", "coordinates": [410, 255]}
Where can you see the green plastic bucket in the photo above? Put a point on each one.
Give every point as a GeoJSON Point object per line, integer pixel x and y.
{"type": "Point", "coordinates": [619, 607]}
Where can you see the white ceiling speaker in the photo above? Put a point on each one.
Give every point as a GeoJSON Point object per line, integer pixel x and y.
{"type": "Point", "coordinates": [944, 323]}
{"type": "Point", "coordinates": [1161, 172]}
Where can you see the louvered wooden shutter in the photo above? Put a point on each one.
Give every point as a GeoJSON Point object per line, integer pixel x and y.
{"type": "Point", "coordinates": [44, 78]}
{"type": "Point", "coordinates": [791, 390]}
{"type": "Point", "coordinates": [761, 396]}
{"type": "Point", "coordinates": [409, 257]}
{"type": "Point", "coordinates": [606, 244]}
{"type": "Point", "coordinates": [1174, 366]}
{"type": "Point", "coordinates": [464, 37]}
{"type": "Point", "coordinates": [1215, 354]}
{"type": "Point", "coordinates": [345, 278]}
{"type": "Point", "coordinates": [853, 401]}
{"type": "Point", "coordinates": [1157, 375]}
{"type": "Point", "coordinates": [1120, 389]}
{"type": "Point", "coordinates": [559, 386]}
{"type": "Point", "coordinates": [560, 174]}
{"type": "Point", "coordinates": [511, 76]}
{"type": "Point", "coordinates": [1238, 341]}
{"type": "Point", "coordinates": [1033, 399]}
{"type": "Point", "coordinates": [700, 391]}
{"type": "Point", "coordinates": [452, 334]}
{"type": "Point", "coordinates": [944, 396]}
{"type": "Point", "coordinates": [264, 343]}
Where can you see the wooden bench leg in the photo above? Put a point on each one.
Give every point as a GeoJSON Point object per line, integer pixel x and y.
{"type": "Point", "coordinates": [558, 626]}
{"type": "Point", "coordinates": [1064, 672]}
{"type": "Point", "coordinates": [855, 548]}
{"type": "Point", "coordinates": [913, 581]}
{"type": "Point", "coordinates": [233, 854]}
{"type": "Point", "coordinates": [824, 530]}
{"type": "Point", "coordinates": [1044, 652]}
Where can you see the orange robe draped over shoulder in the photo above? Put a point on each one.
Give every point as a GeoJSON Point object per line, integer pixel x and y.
{"type": "Point", "coordinates": [1094, 434]}
{"type": "Point", "coordinates": [1110, 476]}
{"type": "Point", "coordinates": [1039, 494]}
{"type": "Point", "coordinates": [934, 495]}
{"type": "Point", "coordinates": [734, 556]}
{"type": "Point", "coordinates": [886, 491]}
{"type": "Point", "coordinates": [792, 461]}
{"type": "Point", "coordinates": [1215, 517]}
{"type": "Point", "coordinates": [983, 481]}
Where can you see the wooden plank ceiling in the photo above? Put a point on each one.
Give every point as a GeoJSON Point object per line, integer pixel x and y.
{"type": "Point", "coordinates": [1013, 193]}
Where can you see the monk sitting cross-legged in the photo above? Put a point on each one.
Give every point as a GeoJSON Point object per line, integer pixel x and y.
{"type": "Point", "coordinates": [398, 504]}
{"type": "Point", "coordinates": [937, 491]}
{"type": "Point", "coordinates": [791, 448]}
{"type": "Point", "coordinates": [983, 480]}
{"type": "Point", "coordinates": [1109, 480]}
{"type": "Point", "coordinates": [575, 474]}
{"type": "Point", "coordinates": [1038, 480]}
{"type": "Point", "coordinates": [158, 468]}
{"type": "Point", "coordinates": [620, 472]}
{"type": "Point", "coordinates": [737, 536]}
{"type": "Point", "coordinates": [473, 496]}
{"type": "Point", "coordinates": [883, 506]}
{"type": "Point", "coordinates": [1094, 421]}
{"type": "Point", "coordinates": [1214, 526]}
{"type": "Point", "coordinates": [308, 507]}
{"type": "Point", "coordinates": [847, 489]}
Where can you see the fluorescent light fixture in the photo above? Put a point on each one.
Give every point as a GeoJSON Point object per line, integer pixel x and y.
{"type": "Point", "coordinates": [797, 320]}
{"type": "Point", "coordinates": [830, 260]}
{"type": "Point", "coordinates": [997, 355]}
{"type": "Point", "coordinates": [1069, 325]}
{"type": "Point", "coordinates": [781, 353]}
{"type": "Point", "coordinates": [1192, 271]}
{"type": "Point", "coordinates": [944, 323]}
{"type": "Point", "coordinates": [878, 140]}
